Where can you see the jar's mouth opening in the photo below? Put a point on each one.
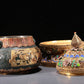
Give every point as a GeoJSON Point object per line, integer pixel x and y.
{"type": "Point", "coordinates": [16, 36]}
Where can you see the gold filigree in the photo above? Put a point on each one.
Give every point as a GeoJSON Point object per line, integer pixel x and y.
{"type": "Point", "coordinates": [23, 57]}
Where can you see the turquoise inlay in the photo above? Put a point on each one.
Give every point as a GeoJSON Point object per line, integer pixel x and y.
{"type": "Point", "coordinates": [71, 56]}
{"type": "Point", "coordinates": [67, 56]}
{"type": "Point", "coordinates": [82, 55]}
{"type": "Point", "coordinates": [76, 56]}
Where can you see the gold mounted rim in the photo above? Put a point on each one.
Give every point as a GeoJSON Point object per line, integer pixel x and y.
{"type": "Point", "coordinates": [56, 43]}
{"type": "Point", "coordinates": [69, 71]}
{"type": "Point", "coordinates": [71, 74]}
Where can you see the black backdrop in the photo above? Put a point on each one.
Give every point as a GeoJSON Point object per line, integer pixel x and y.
{"type": "Point", "coordinates": [43, 24]}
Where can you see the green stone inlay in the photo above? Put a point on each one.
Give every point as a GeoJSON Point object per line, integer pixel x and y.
{"type": "Point", "coordinates": [58, 64]}
{"type": "Point", "coordinates": [78, 64]}
{"type": "Point", "coordinates": [73, 63]}
{"type": "Point", "coordinates": [57, 56]}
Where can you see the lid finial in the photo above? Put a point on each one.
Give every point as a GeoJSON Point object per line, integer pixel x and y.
{"type": "Point", "coordinates": [76, 41]}
{"type": "Point", "coordinates": [74, 32]}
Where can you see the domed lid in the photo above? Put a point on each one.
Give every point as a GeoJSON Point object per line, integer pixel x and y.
{"type": "Point", "coordinates": [77, 50]}
{"type": "Point", "coordinates": [76, 41]}
{"type": "Point", "coordinates": [73, 60]}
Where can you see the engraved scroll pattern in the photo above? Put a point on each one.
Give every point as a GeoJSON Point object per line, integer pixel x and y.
{"type": "Point", "coordinates": [23, 57]}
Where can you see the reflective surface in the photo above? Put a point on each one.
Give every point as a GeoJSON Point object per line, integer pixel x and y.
{"type": "Point", "coordinates": [15, 36]}
{"type": "Point", "coordinates": [43, 75]}
{"type": "Point", "coordinates": [56, 42]}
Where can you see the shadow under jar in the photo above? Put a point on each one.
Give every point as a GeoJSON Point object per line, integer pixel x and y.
{"type": "Point", "coordinates": [18, 53]}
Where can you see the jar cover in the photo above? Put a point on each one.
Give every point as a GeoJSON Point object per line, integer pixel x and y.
{"type": "Point", "coordinates": [72, 62]}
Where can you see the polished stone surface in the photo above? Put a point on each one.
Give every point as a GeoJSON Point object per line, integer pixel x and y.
{"type": "Point", "coordinates": [42, 75]}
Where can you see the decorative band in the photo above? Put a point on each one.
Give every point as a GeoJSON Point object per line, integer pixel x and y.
{"type": "Point", "coordinates": [73, 56]}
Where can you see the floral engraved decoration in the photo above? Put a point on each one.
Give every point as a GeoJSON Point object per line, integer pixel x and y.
{"type": "Point", "coordinates": [23, 57]}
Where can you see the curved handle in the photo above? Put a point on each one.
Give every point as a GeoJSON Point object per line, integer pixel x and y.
{"type": "Point", "coordinates": [1, 44]}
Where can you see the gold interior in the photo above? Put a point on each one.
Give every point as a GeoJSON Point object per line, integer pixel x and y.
{"type": "Point", "coordinates": [56, 42]}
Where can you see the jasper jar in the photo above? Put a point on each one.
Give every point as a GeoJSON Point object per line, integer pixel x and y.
{"type": "Point", "coordinates": [18, 53]}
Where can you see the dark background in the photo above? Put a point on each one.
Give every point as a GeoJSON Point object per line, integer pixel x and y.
{"type": "Point", "coordinates": [43, 24]}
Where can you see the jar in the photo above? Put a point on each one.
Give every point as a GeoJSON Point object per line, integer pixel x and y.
{"type": "Point", "coordinates": [18, 53]}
